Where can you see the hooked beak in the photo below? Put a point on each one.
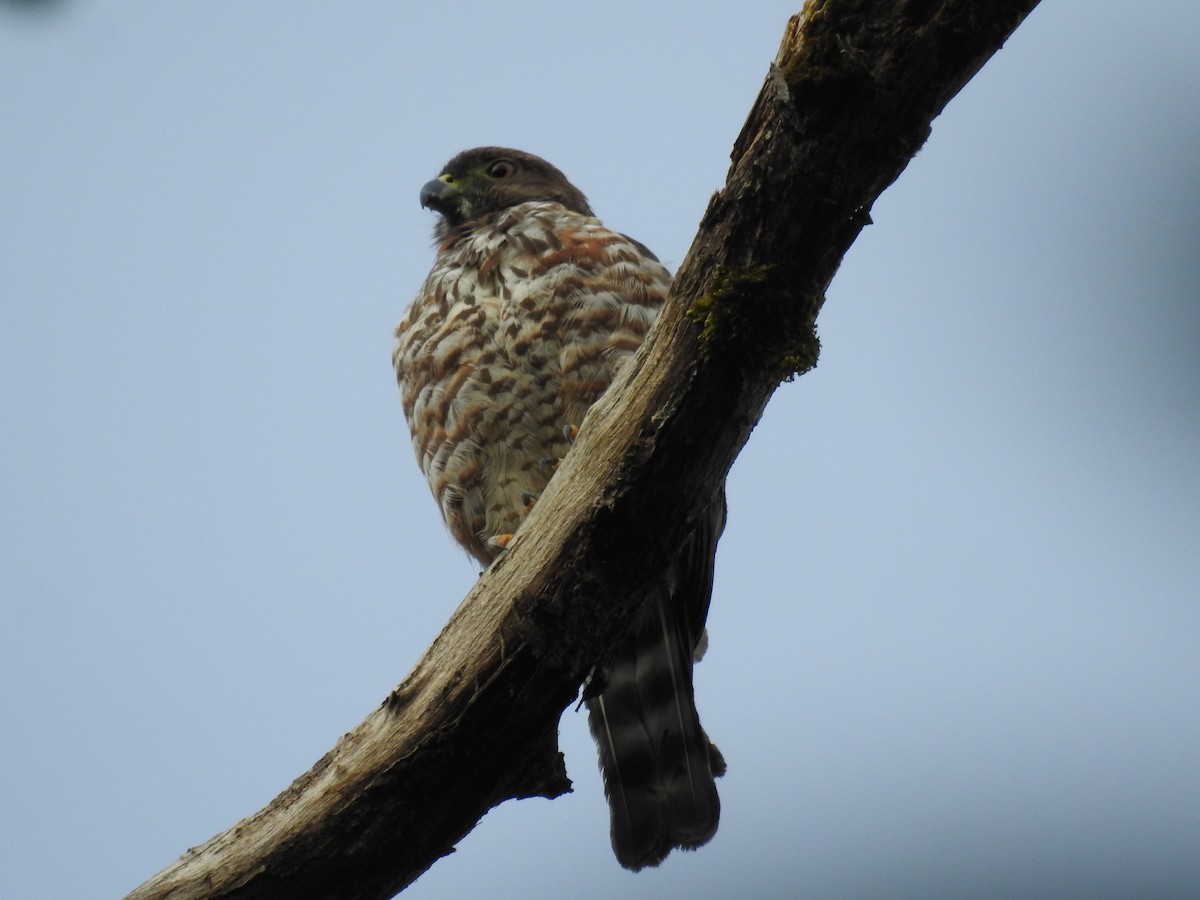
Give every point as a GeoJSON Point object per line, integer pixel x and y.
{"type": "Point", "coordinates": [440, 196]}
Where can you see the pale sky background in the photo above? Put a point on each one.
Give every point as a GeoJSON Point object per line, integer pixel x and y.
{"type": "Point", "coordinates": [955, 633]}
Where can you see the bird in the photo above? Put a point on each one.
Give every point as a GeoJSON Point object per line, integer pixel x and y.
{"type": "Point", "coordinates": [531, 309]}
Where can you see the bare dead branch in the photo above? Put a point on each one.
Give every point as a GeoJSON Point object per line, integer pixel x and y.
{"type": "Point", "coordinates": [846, 104]}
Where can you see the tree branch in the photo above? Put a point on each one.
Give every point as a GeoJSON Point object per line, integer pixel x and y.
{"type": "Point", "coordinates": [846, 104]}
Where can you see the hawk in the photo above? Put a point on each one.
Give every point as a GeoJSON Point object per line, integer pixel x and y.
{"type": "Point", "coordinates": [531, 309]}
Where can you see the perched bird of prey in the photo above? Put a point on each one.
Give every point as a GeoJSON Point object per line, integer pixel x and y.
{"type": "Point", "coordinates": [531, 309]}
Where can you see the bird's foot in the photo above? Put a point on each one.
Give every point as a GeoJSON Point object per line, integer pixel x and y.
{"type": "Point", "coordinates": [499, 541]}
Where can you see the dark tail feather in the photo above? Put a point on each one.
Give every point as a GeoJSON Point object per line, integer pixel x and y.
{"type": "Point", "coordinates": [658, 764]}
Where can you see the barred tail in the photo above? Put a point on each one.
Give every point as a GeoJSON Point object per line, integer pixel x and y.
{"type": "Point", "coordinates": [659, 766]}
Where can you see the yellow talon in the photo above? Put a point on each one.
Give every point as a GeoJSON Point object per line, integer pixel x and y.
{"type": "Point", "coordinates": [499, 541]}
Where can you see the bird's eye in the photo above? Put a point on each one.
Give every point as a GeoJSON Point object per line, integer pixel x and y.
{"type": "Point", "coordinates": [502, 168]}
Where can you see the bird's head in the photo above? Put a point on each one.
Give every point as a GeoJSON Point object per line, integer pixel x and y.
{"type": "Point", "coordinates": [487, 180]}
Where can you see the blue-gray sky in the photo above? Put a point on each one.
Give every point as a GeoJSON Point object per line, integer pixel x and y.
{"type": "Point", "coordinates": [955, 636]}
